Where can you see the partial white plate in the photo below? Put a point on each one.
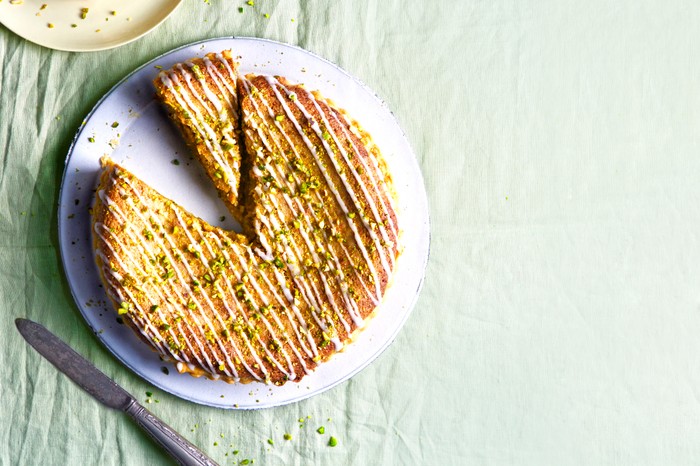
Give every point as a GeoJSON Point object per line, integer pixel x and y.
{"type": "Point", "coordinates": [145, 142]}
{"type": "Point", "coordinates": [59, 24]}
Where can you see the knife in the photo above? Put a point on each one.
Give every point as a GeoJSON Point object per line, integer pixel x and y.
{"type": "Point", "coordinates": [107, 392]}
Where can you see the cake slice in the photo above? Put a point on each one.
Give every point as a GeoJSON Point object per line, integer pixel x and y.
{"type": "Point", "coordinates": [200, 97]}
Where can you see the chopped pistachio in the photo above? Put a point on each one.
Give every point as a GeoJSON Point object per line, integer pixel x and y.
{"type": "Point", "coordinates": [321, 430]}
{"type": "Point", "coordinates": [332, 442]}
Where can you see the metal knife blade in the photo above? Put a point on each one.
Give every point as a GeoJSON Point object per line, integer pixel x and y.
{"type": "Point", "coordinates": [76, 367]}
{"type": "Point", "coordinates": [105, 390]}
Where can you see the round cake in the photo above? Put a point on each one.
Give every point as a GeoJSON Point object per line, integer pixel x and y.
{"type": "Point", "coordinates": [320, 232]}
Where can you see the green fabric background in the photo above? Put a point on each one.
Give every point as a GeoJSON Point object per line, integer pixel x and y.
{"type": "Point", "coordinates": [560, 315]}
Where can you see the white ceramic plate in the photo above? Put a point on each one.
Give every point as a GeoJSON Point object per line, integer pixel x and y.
{"type": "Point", "coordinates": [145, 142]}
{"type": "Point", "coordinates": [59, 24]}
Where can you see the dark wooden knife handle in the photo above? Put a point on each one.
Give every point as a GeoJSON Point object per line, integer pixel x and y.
{"type": "Point", "coordinates": [180, 449]}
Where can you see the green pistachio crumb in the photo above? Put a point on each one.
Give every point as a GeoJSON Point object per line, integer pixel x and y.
{"type": "Point", "coordinates": [149, 394]}
{"type": "Point", "coordinates": [332, 442]}
{"type": "Point", "coordinates": [240, 9]}
{"type": "Point", "coordinates": [321, 430]}
{"type": "Point", "coordinates": [287, 436]}
{"type": "Point", "coordinates": [270, 441]}
{"type": "Point", "coordinates": [91, 139]}
{"type": "Point", "coordinates": [123, 308]}
{"type": "Point", "coordinates": [175, 162]}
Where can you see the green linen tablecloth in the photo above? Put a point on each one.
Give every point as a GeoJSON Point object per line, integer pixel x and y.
{"type": "Point", "coordinates": [560, 316]}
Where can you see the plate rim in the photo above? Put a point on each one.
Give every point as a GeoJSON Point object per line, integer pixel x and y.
{"type": "Point", "coordinates": [302, 396]}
